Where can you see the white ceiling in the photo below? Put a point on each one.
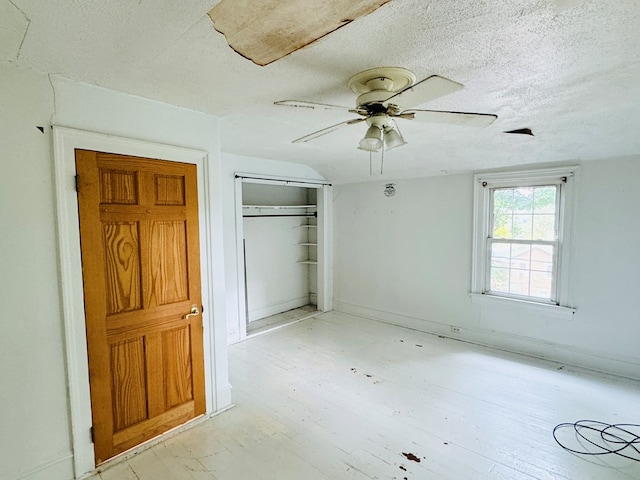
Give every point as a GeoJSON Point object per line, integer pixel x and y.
{"type": "Point", "coordinates": [567, 69]}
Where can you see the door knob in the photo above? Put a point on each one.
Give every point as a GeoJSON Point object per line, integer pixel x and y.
{"type": "Point", "coordinates": [194, 311]}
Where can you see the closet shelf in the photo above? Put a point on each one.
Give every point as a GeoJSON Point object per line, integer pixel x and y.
{"type": "Point", "coordinates": [308, 226]}
{"type": "Point", "coordinates": [309, 262]}
{"type": "Point", "coordinates": [278, 207]}
{"type": "Point", "coordinates": [309, 244]}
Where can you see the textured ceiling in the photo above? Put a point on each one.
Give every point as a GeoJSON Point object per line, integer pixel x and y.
{"type": "Point", "coordinates": [567, 69]}
{"type": "Point", "coordinates": [268, 30]}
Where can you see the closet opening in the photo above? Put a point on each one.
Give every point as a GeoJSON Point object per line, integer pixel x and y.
{"type": "Point", "coordinates": [283, 252]}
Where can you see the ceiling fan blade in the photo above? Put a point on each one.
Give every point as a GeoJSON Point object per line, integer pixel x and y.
{"type": "Point", "coordinates": [423, 91]}
{"type": "Point", "coordinates": [453, 118]}
{"type": "Point", "coordinates": [311, 105]}
{"type": "Point", "coordinates": [330, 129]}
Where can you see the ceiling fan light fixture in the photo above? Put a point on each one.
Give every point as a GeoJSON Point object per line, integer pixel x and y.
{"type": "Point", "coordinates": [393, 139]}
{"type": "Point", "coordinates": [372, 141]}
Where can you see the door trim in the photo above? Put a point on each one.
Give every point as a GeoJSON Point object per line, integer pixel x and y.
{"type": "Point", "coordinates": [65, 141]}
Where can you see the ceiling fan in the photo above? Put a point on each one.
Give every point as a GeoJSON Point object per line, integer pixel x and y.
{"type": "Point", "coordinates": [389, 93]}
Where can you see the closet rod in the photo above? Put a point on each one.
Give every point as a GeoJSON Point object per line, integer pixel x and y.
{"type": "Point", "coordinates": [282, 180]}
{"type": "Point", "coordinates": [285, 215]}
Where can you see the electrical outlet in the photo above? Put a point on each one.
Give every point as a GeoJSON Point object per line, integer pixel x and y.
{"type": "Point", "coordinates": [455, 329]}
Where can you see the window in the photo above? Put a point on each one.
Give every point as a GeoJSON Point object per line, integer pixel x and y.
{"type": "Point", "coordinates": [522, 233]}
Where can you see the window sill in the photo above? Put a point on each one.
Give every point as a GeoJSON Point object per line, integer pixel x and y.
{"type": "Point", "coordinates": [565, 313]}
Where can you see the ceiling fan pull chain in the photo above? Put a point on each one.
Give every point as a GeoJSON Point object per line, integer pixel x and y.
{"type": "Point", "coordinates": [382, 160]}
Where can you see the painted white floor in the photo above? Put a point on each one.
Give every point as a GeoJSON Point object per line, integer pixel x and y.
{"type": "Point", "coordinates": [281, 319]}
{"type": "Point", "coordinates": [341, 397]}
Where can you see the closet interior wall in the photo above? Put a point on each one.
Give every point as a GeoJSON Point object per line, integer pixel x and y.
{"type": "Point", "coordinates": [280, 248]}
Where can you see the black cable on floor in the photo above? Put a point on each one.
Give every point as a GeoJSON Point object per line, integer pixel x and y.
{"type": "Point", "coordinates": [609, 439]}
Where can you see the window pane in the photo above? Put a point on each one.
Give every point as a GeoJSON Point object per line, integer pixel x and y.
{"type": "Point", "coordinates": [520, 256]}
{"type": "Point", "coordinates": [501, 255]}
{"type": "Point", "coordinates": [544, 199]}
{"type": "Point", "coordinates": [502, 226]}
{"type": "Point", "coordinates": [541, 283]}
{"type": "Point", "coordinates": [542, 258]}
{"type": "Point", "coordinates": [523, 227]}
{"type": "Point", "coordinates": [544, 227]}
{"type": "Point", "coordinates": [542, 266]}
{"type": "Point", "coordinates": [503, 201]}
{"type": "Point", "coordinates": [519, 282]}
{"type": "Point", "coordinates": [500, 280]}
{"type": "Point", "coordinates": [523, 200]}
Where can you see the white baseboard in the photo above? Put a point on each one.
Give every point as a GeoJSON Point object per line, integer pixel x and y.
{"type": "Point", "coordinates": [268, 310]}
{"type": "Point", "coordinates": [59, 467]}
{"type": "Point", "coordinates": [599, 361]}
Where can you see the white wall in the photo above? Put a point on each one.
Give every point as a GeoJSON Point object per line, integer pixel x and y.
{"type": "Point", "coordinates": [232, 164]}
{"type": "Point", "coordinates": [275, 281]}
{"type": "Point", "coordinates": [33, 399]}
{"type": "Point", "coordinates": [407, 260]}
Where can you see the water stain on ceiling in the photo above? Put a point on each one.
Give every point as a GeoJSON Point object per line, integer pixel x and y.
{"type": "Point", "coordinates": [267, 30]}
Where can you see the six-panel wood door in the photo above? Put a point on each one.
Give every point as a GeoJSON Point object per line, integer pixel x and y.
{"type": "Point", "coordinates": [141, 273]}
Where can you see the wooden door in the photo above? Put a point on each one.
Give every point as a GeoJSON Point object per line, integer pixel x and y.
{"type": "Point", "coordinates": [141, 271]}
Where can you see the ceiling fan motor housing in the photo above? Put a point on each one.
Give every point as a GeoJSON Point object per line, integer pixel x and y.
{"type": "Point", "coordinates": [378, 84]}
{"type": "Point", "coordinates": [373, 97]}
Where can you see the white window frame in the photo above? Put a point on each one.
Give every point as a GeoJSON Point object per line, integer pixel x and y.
{"type": "Point", "coordinates": [482, 221]}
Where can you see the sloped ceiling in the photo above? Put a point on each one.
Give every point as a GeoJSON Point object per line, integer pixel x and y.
{"type": "Point", "coordinates": [567, 69]}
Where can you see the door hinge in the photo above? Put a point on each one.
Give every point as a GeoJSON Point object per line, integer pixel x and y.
{"type": "Point", "coordinates": [92, 432]}
{"type": "Point", "coordinates": [201, 308]}
{"type": "Point", "coordinates": [77, 180]}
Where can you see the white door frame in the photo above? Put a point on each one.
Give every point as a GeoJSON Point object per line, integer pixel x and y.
{"type": "Point", "coordinates": [66, 141]}
{"type": "Point", "coordinates": [325, 239]}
